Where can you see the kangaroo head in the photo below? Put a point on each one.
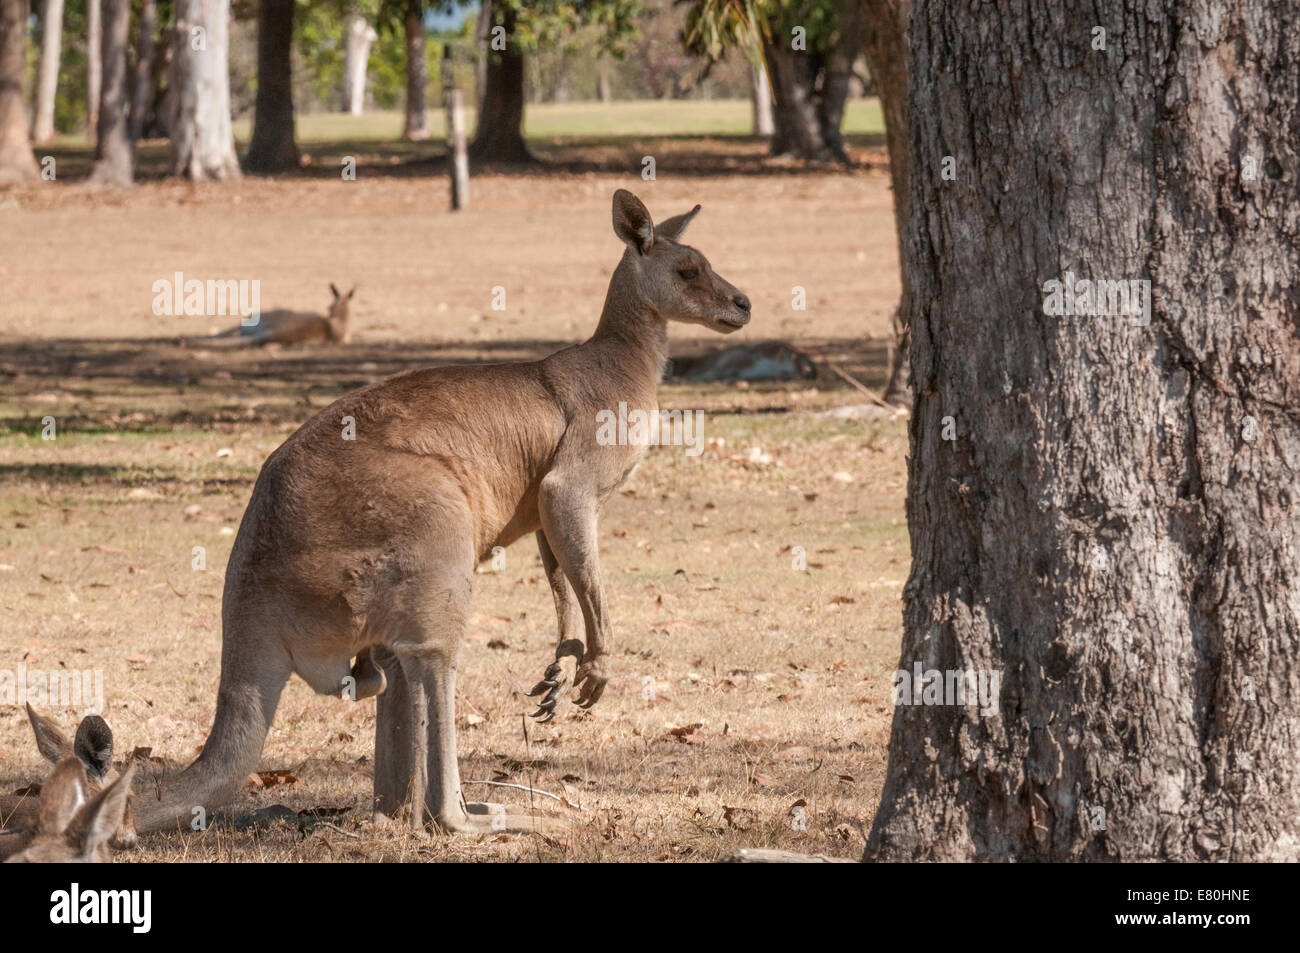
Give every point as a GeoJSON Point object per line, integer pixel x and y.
{"type": "Point", "coordinates": [70, 828]}
{"type": "Point", "coordinates": [338, 316]}
{"type": "Point", "coordinates": [672, 280]}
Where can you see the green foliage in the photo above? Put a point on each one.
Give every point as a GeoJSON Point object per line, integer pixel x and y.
{"type": "Point", "coordinates": [714, 26]}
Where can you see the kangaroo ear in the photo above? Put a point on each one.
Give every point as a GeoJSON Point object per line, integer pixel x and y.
{"type": "Point", "coordinates": [632, 222]}
{"type": "Point", "coordinates": [353, 291]}
{"type": "Point", "coordinates": [51, 743]}
{"type": "Point", "coordinates": [94, 745]}
{"type": "Point", "coordinates": [335, 291]}
{"type": "Point", "coordinates": [62, 794]}
{"type": "Point", "coordinates": [672, 228]}
{"type": "Point", "coordinates": [100, 819]}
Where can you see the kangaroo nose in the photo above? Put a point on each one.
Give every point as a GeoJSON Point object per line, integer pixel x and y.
{"type": "Point", "coordinates": [741, 301]}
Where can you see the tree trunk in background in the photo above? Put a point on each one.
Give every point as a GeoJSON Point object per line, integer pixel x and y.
{"type": "Point", "coordinates": [837, 77]}
{"type": "Point", "coordinates": [142, 88]}
{"type": "Point", "coordinates": [885, 46]}
{"type": "Point", "coordinates": [417, 74]}
{"type": "Point", "coordinates": [798, 129]}
{"type": "Point", "coordinates": [603, 92]}
{"type": "Point", "coordinates": [47, 82]}
{"type": "Point", "coordinates": [500, 133]}
{"type": "Point", "coordinates": [94, 67]}
{"type": "Point", "coordinates": [356, 61]}
{"type": "Point", "coordinates": [481, 32]}
{"type": "Point", "coordinates": [114, 160]}
{"type": "Point", "coordinates": [16, 160]}
{"type": "Point", "coordinates": [760, 100]}
{"type": "Point", "coordinates": [1114, 528]}
{"type": "Point", "coordinates": [202, 142]}
{"type": "Point", "coordinates": [273, 148]}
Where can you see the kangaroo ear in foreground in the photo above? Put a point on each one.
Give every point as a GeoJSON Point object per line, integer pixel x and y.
{"type": "Point", "coordinates": [94, 745]}
{"type": "Point", "coordinates": [632, 222]}
{"type": "Point", "coordinates": [62, 794]}
{"type": "Point", "coordinates": [672, 228]}
{"type": "Point", "coordinates": [335, 291]}
{"type": "Point", "coordinates": [100, 819]}
{"type": "Point", "coordinates": [353, 291]}
{"type": "Point", "coordinates": [51, 743]}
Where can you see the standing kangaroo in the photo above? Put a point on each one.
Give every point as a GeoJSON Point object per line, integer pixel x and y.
{"type": "Point", "coordinates": [288, 327]}
{"type": "Point", "coordinates": [365, 527]}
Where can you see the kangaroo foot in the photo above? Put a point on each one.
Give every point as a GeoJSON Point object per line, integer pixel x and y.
{"type": "Point", "coordinates": [488, 818]}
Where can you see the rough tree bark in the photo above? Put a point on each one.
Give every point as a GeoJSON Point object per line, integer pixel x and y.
{"type": "Point", "coordinates": [356, 61]}
{"type": "Point", "coordinates": [273, 148]}
{"type": "Point", "coordinates": [202, 141]}
{"type": "Point", "coordinates": [114, 154]}
{"type": "Point", "coordinates": [94, 67]}
{"type": "Point", "coordinates": [17, 163]}
{"type": "Point", "coordinates": [884, 43]}
{"type": "Point", "coordinates": [1114, 528]}
{"type": "Point", "coordinates": [417, 73]}
{"type": "Point", "coordinates": [500, 133]}
{"type": "Point", "coordinates": [47, 82]}
{"type": "Point", "coordinates": [142, 88]}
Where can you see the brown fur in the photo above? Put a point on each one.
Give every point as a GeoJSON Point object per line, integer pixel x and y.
{"type": "Point", "coordinates": [288, 327]}
{"type": "Point", "coordinates": [365, 549]}
{"type": "Point", "coordinates": [73, 824]}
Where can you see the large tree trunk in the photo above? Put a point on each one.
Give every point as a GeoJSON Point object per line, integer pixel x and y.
{"type": "Point", "coordinates": [273, 148]}
{"type": "Point", "coordinates": [837, 76]}
{"type": "Point", "coordinates": [356, 61]}
{"type": "Point", "coordinates": [142, 88]}
{"type": "Point", "coordinates": [94, 66]}
{"type": "Point", "coordinates": [794, 76]}
{"type": "Point", "coordinates": [417, 74]}
{"type": "Point", "coordinates": [114, 158]}
{"type": "Point", "coordinates": [202, 141]}
{"type": "Point", "coordinates": [500, 133]}
{"type": "Point", "coordinates": [47, 82]}
{"type": "Point", "coordinates": [884, 42]}
{"type": "Point", "coordinates": [1114, 528]}
{"type": "Point", "coordinates": [760, 100]}
{"type": "Point", "coordinates": [16, 160]}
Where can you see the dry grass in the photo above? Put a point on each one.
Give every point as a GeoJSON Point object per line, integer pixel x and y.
{"type": "Point", "coordinates": [741, 686]}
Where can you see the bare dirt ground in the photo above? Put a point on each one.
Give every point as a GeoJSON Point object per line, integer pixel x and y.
{"type": "Point", "coordinates": [750, 699]}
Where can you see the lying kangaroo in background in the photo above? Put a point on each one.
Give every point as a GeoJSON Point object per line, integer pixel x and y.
{"type": "Point", "coordinates": [365, 547]}
{"type": "Point", "coordinates": [288, 327]}
{"type": "Point", "coordinates": [92, 746]}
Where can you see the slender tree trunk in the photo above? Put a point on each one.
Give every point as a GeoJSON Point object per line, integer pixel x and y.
{"type": "Point", "coordinates": [417, 74]}
{"type": "Point", "coordinates": [16, 160]}
{"type": "Point", "coordinates": [837, 75]}
{"type": "Point", "coordinates": [798, 126]}
{"type": "Point", "coordinates": [885, 46]}
{"type": "Point", "coordinates": [273, 148]}
{"type": "Point", "coordinates": [202, 141]}
{"type": "Point", "coordinates": [356, 61]}
{"type": "Point", "coordinates": [482, 29]}
{"type": "Point", "coordinates": [142, 88]}
{"type": "Point", "coordinates": [604, 93]}
{"type": "Point", "coordinates": [47, 83]}
{"type": "Point", "coordinates": [760, 100]}
{"type": "Point", "coordinates": [94, 66]}
{"type": "Point", "coordinates": [114, 159]}
{"type": "Point", "coordinates": [1102, 510]}
{"type": "Point", "coordinates": [500, 133]}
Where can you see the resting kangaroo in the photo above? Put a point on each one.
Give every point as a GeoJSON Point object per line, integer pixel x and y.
{"type": "Point", "coordinates": [288, 327]}
{"type": "Point", "coordinates": [365, 548]}
{"type": "Point", "coordinates": [74, 826]}
{"type": "Point", "coordinates": [93, 747]}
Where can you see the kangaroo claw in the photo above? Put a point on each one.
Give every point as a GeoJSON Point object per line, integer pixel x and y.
{"type": "Point", "coordinates": [540, 687]}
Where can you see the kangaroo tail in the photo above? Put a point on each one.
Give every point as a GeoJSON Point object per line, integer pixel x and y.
{"type": "Point", "coordinates": [246, 701]}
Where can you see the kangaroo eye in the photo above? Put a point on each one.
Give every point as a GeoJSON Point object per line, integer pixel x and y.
{"type": "Point", "coordinates": [689, 273]}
